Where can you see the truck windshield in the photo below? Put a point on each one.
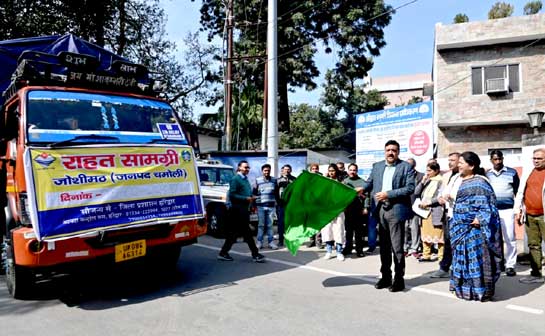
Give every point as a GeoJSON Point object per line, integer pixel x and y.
{"type": "Point", "coordinates": [55, 116]}
{"type": "Point", "coordinates": [215, 175]}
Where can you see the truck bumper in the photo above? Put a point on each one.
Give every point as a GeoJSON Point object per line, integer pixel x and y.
{"type": "Point", "coordinates": [30, 252]}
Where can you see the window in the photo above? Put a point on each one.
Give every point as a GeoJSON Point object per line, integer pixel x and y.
{"type": "Point", "coordinates": [480, 77]}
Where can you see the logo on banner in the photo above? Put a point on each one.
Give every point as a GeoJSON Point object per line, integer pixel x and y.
{"type": "Point", "coordinates": [419, 142]}
{"type": "Point", "coordinates": [44, 159]}
{"type": "Point", "coordinates": [186, 156]}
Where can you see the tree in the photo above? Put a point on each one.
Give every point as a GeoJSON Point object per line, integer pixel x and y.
{"type": "Point", "coordinates": [303, 27]}
{"type": "Point", "coordinates": [533, 7]}
{"type": "Point", "coordinates": [415, 100]}
{"type": "Point", "coordinates": [343, 95]}
{"type": "Point", "coordinates": [311, 127]}
{"type": "Point", "coordinates": [500, 10]}
{"type": "Point", "coordinates": [461, 18]}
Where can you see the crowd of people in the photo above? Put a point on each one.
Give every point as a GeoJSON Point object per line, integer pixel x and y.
{"type": "Point", "coordinates": [464, 219]}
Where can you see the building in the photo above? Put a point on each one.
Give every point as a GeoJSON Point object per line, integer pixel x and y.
{"type": "Point", "coordinates": [400, 89]}
{"type": "Point", "coordinates": [487, 76]}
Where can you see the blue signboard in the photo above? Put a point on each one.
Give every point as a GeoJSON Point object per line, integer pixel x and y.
{"type": "Point", "coordinates": [171, 131]}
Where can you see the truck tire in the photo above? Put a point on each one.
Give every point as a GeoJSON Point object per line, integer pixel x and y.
{"type": "Point", "coordinates": [19, 280]}
{"type": "Point", "coordinates": [216, 221]}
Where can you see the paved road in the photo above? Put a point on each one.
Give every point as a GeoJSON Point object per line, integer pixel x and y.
{"type": "Point", "coordinates": [302, 295]}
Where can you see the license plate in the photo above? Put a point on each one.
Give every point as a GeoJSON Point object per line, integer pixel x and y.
{"type": "Point", "coordinates": [130, 250]}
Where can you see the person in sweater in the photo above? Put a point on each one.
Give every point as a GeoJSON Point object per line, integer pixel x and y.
{"type": "Point", "coordinates": [354, 214]}
{"type": "Point", "coordinates": [265, 189]}
{"type": "Point", "coordinates": [240, 197]}
{"type": "Point", "coordinates": [505, 182]}
{"type": "Point", "coordinates": [529, 205]}
{"type": "Point", "coordinates": [282, 183]}
{"type": "Point", "coordinates": [412, 225]}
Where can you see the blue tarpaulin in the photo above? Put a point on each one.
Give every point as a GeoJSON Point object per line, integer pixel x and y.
{"type": "Point", "coordinates": [10, 50]}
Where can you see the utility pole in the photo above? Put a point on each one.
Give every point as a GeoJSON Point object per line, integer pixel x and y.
{"type": "Point", "coordinates": [272, 88]}
{"type": "Point", "coordinates": [229, 76]}
{"type": "Point", "coordinates": [265, 122]}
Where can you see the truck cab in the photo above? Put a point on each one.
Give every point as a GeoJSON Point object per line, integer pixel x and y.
{"type": "Point", "coordinates": [96, 166]}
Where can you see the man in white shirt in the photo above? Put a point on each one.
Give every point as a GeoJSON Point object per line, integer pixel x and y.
{"type": "Point", "coordinates": [452, 182]}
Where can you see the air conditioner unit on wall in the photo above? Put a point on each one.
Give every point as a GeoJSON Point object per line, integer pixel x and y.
{"type": "Point", "coordinates": [497, 86]}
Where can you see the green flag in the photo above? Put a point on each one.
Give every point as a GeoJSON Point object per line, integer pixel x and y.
{"type": "Point", "coordinates": [312, 201]}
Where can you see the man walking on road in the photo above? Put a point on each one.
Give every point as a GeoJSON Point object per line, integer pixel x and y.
{"type": "Point", "coordinates": [505, 182]}
{"type": "Point", "coordinates": [452, 181]}
{"type": "Point", "coordinates": [240, 196]}
{"type": "Point", "coordinates": [529, 206]}
{"type": "Point", "coordinates": [391, 183]}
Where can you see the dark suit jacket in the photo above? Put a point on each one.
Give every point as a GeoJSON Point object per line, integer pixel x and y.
{"type": "Point", "coordinates": [403, 184]}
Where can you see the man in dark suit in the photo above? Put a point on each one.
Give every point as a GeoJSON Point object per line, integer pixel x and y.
{"type": "Point", "coordinates": [391, 184]}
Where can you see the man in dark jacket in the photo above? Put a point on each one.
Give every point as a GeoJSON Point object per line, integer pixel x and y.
{"type": "Point", "coordinates": [240, 197]}
{"type": "Point", "coordinates": [282, 182]}
{"type": "Point", "coordinates": [391, 184]}
{"type": "Point", "coordinates": [354, 214]}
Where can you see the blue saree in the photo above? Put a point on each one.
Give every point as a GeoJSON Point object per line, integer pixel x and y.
{"type": "Point", "coordinates": [476, 252]}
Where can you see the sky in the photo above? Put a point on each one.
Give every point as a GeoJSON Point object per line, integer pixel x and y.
{"type": "Point", "coordinates": [409, 37]}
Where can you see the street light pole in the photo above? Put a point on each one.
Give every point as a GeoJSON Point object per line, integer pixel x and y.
{"type": "Point", "coordinates": [229, 76]}
{"type": "Point", "coordinates": [272, 88]}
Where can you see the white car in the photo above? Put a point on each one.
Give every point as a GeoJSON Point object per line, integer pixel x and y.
{"type": "Point", "coordinates": [214, 179]}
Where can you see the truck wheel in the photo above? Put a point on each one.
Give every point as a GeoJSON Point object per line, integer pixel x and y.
{"type": "Point", "coordinates": [216, 221]}
{"type": "Point", "coordinates": [19, 280]}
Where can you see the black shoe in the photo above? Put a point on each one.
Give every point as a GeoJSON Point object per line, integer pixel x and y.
{"type": "Point", "coordinates": [346, 252]}
{"type": "Point", "coordinates": [510, 271]}
{"type": "Point", "coordinates": [225, 257]}
{"type": "Point", "coordinates": [259, 258]}
{"type": "Point", "coordinates": [311, 244]}
{"type": "Point", "coordinates": [360, 254]}
{"type": "Point", "coordinates": [397, 286]}
{"type": "Point", "coordinates": [383, 283]}
{"type": "Point", "coordinates": [371, 249]}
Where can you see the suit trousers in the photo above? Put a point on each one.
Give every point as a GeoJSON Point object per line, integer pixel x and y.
{"type": "Point", "coordinates": [392, 235]}
{"type": "Point", "coordinates": [239, 225]}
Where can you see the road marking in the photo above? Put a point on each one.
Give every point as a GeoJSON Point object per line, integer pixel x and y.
{"type": "Point", "coordinates": [525, 309]}
{"type": "Point", "coordinates": [369, 279]}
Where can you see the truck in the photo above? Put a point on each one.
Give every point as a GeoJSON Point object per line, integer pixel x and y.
{"type": "Point", "coordinates": [95, 165]}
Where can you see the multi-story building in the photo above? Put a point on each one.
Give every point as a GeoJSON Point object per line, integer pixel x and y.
{"type": "Point", "coordinates": [400, 89]}
{"type": "Point", "coordinates": [487, 76]}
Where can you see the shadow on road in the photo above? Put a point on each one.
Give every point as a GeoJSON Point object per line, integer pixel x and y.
{"type": "Point", "coordinates": [106, 287]}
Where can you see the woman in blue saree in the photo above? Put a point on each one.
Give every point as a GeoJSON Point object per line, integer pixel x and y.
{"type": "Point", "coordinates": [475, 234]}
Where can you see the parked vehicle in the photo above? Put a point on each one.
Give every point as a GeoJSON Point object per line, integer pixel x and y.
{"type": "Point", "coordinates": [96, 164]}
{"type": "Point", "coordinates": [214, 179]}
